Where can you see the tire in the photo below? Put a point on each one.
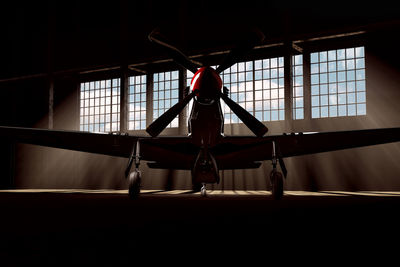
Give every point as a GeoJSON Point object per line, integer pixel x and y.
{"type": "Point", "coordinates": [203, 192]}
{"type": "Point", "coordinates": [134, 184]}
{"type": "Point", "coordinates": [276, 185]}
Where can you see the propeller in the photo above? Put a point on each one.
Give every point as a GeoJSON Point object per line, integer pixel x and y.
{"type": "Point", "coordinates": [159, 124]}
{"type": "Point", "coordinates": [180, 58]}
{"type": "Point", "coordinates": [241, 49]}
{"type": "Point", "coordinates": [257, 127]}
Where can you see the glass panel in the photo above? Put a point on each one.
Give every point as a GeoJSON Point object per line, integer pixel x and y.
{"type": "Point", "coordinates": [93, 104]}
{"type": "Point", "coordinates": [345, 74]}
{"type": "Point", "coordinates": [167, 84]}
{"type": "Point", "coordinates": [298, 109]}
{"type": "Point", "coordinates": [137, 99]}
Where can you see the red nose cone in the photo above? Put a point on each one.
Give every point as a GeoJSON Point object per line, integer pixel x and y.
{"type": "Point", "coordinates": [206, 83]}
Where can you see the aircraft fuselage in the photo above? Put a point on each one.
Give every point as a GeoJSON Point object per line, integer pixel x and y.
{"type": "Point", "coordinates": [206, 118]}
{"type": "Point", "coordinates": [206, 123]}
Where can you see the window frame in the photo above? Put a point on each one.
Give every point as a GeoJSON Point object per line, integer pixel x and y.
{"type": "Point", "coordinates": [279, 50]}
{"type": "Point", "coordinates": [137, 102]}
{"type": "Point", "coordinates": [101, 105]}
{"type": "Point", "coordinates": [172, 95]}
{"type": "Point", "coordinates": [342, 86]}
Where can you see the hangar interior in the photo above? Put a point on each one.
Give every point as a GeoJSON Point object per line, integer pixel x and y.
{"type": "Point", "coordinates": [90, 66]}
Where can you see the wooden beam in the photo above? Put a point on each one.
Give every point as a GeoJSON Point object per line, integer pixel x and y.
{"type": "Point", "coordinates": [297, 48]}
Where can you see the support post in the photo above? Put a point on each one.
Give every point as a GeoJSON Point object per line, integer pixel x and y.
{"type": "Point", "coordinates": [77, 92]}
{"type": "Point", "coordinates": [123, 33]}
{"type": "Point", "coordinates": [183, 128]}
{"type": "Point", "coordinates": [124, 99]}
{"type": "Point", "coordinates": [307, 84]}
{"type": "Point", "coordinates": [50, 62]}
{"type": "Point", "coordinates": [149, 98]}
{"type": "Point", "coordinates": [288, 73]}
{"type": "Point", "coordinates": [51, 102]}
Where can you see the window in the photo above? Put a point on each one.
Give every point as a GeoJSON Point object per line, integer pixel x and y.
{"type": "Point", "coordinates": [137, 103]}
{"type": "Point", "coordinates": [269, 89]}
{"type": "Point", "coordinates": [298, 98]}
{"type": "Point", "coordinates": [239, 80]}
{"type": "Point", "coordinates": [166, 93]}
{"type": "Point", "coordinates": [269, 92]}
{"type": "Point", "coordinates": [337, 79]}
{"type": "Point", "coordinates": [100, 105]}
{"type": "Point", "coordinates": [338, 83]}
{"type": "Point", "coordinates": [258, 86]}
{"type": "Point", "coordinates": [189, 77]}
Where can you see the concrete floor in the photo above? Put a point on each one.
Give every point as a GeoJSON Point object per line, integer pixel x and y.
{"type": "Point", "coordinates": [97, 227]}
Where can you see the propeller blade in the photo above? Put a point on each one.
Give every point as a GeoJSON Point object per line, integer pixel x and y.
{"type": "Point", "coordinates": [241, 49]}
{"type": "Point", "coordinates": [257, 127]}
{"type": "Point", "coordinates": [159, 124]}
{"type": "Point", "coordinates": [180, 58]}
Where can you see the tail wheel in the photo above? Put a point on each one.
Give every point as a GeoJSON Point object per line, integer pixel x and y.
{"type": "Point", "coordinates": [134, 184]}
{"type": "Point", "coordinates": [276, 185]}
{"type": "Point", "coordinates": [204, 190]}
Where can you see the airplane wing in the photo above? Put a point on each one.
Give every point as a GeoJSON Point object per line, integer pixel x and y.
{"type": "Point", "coordinates": [171, 151]}
{"type": "Point", "coordinates": [236, 150]}
{"type": "Point", "coordinates": [107, 144]}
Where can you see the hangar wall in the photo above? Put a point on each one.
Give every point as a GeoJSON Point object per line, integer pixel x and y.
{"type": "Point", "coordinates": [372, 168]}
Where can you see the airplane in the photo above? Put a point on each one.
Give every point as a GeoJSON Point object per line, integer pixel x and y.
{"type": "Point", "coordinates": [205, 150]}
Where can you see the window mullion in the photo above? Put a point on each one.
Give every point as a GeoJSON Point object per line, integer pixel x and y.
{"type": "Point", "coordinates": [307, 84]}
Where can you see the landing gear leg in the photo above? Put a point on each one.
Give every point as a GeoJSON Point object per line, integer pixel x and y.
{"type": "Point", "coordinates": [276, 184]}
{"type": "Point", "coordinates": [203, 190]}
{"type": "Point", "coordinates": [135, 177]}
{"type": "Point", "coordinates": [276, 177]}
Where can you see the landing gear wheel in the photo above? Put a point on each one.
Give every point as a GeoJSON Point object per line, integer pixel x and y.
{"type": "Point", "coordinates": [134, 184]}
{"type": "Point", "coordinates": [276, 185]}
{"type": "Point", "coordinates": [203, 191]}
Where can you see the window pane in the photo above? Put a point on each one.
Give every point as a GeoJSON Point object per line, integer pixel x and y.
{"type": "Point", "coordinates": [168, 89]}
{"type": "Point", "coordinates": [137, 106]}
{"type": "Point", "coordinates": [96, 108]}
{"type": "Point", "coordinates": [343, 78]}
{"type": "Point", "coordinates": [298, 109]}
{"type": "Point", "coordinates": [251, 82]}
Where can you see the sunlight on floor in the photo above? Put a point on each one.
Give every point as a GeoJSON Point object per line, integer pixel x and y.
{"type": "Point", "coordinates": [209, 192]}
